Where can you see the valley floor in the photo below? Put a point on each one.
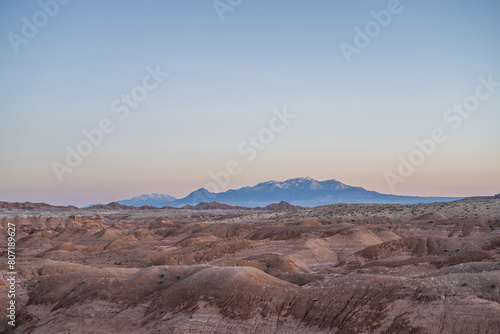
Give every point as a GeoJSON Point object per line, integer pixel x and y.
{"type": "Point", "coordinates": [367, 268]}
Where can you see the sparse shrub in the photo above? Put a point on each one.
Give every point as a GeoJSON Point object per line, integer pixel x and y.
{"type": "Point", "coordinates": [162, 275]}
{"type": "Point", "coordinates": [178, 278]}
{"type": "Point", "coordinates": [463, 284]}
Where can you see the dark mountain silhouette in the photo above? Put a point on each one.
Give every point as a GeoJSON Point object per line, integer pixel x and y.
{"type": "Point", "coordinates": [303, 191]}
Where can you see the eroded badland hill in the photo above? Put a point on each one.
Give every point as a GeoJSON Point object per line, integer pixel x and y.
{"type": "Point", "coordinates": [366, 268]}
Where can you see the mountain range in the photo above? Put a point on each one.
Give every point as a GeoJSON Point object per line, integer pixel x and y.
{"type": "Point", "coordinates": [303, 191]}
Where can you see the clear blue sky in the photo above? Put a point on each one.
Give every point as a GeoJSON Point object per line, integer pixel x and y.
{"type": "Point", "coordinates": [353, 120]}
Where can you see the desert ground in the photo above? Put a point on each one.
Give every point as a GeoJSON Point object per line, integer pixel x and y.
{"type": "Point", "coordinates": [344, 268]}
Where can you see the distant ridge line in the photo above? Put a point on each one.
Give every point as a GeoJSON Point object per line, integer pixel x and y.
{"type": "Point", "coordinates": [116, 206]}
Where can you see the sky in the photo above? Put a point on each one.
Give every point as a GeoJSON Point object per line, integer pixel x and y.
{"type": "Point", "coordinates": [106, 100]}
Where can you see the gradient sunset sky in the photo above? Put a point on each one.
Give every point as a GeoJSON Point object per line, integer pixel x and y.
{"type": "Point", "coordinates": [352, 120]}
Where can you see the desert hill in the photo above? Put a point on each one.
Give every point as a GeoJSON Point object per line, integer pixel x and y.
{"type": "Point", "coordinates": [32, 206]}
{"type": "Point", "coordinates": [344, 268]}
